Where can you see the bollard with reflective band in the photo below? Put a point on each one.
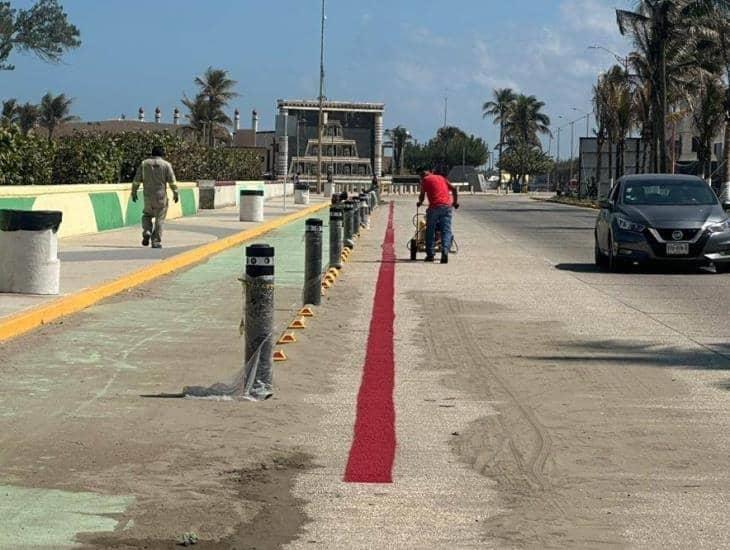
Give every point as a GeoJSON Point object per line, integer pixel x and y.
{"type": "Point", "coordinates": [312, 262]}
{"type": "Point", "coordinates": [364, 211]}
{"type": "Point", "coordinates": [348, 240]}
{"type": "Point", "coordinates": [259, 320]}
{"type": "Point", "coordinates": [356, 216]}
{"type": "Point", "coordinates": [336, 236]}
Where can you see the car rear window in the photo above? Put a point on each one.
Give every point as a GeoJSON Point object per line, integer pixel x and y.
{"type": "Point", "coordinates": [671, 193]}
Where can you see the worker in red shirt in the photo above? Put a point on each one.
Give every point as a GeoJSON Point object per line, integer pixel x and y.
{"type": "Point", "coordinates": [439, 213]}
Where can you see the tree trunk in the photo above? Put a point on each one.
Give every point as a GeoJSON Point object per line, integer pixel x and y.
{"type": "Point", "coordinates": [610, 160]}
{"type": "Point", "coordinates": [599, 159]}
{"type": "Point", "coordinates": [662, 118]}
{"type": "Point", "coordinates": [724, 191]}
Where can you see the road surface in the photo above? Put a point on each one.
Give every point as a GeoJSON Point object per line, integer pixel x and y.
{"type": "Point", "coordinates": [514, 398]}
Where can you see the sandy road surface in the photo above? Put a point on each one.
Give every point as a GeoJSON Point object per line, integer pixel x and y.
{"type": "Point", "coordinates": [592, 406]}
{"type": "Point", "coordinates": [539, 404]}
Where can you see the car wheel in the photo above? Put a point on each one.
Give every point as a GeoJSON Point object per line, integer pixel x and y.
{"type": "Point", "coordinates": [723, 267]}
{"type": "Point", "coordinates": [600, 257]}
{"type": "Point", "coordinates": [614, 262]}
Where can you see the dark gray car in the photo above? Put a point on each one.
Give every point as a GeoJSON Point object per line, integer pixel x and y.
{"type": "Point", "coordinates": [662, 218]}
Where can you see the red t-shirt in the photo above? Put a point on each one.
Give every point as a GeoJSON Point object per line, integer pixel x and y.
{"type": "Point", "coordinates": [437, 189]}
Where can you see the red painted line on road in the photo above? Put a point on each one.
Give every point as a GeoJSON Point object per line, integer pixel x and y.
{"type": "Point", "coordinates": [373, 447]}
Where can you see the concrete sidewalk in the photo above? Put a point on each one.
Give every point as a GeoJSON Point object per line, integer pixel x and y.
{"type": "Point", "coordinates": [90, 260]}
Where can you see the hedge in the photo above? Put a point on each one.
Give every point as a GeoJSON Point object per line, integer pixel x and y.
{"type": "Point", "coordinates": [112, 158]}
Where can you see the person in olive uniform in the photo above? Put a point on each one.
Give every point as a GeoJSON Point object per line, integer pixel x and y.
{"type": "Point", "coordinates": [155, 174]}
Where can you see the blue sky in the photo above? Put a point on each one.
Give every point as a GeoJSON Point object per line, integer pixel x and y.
{"type": "Point", "coordinates": [408, 54]}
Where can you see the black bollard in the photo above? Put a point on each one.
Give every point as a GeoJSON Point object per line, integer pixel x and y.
{"type": "Point", "coordinates": [364, 211]}
{"type": "Point", "coordinates": [313, 262]}
{"type": "Point", "coordinates": [259, 283]}
{"type": "Point", "coordinates": [348, 239]}
{"type": "Point", "coordinates": [356, 216]}
{"type": "Point", "coordinates": [336, 236]}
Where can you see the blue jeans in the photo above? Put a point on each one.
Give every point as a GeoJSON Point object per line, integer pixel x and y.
{"type": "Point", "coordinates": [439, 216]}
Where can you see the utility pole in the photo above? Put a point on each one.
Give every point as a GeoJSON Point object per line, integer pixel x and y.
{"type": "Point", "coordinates": [321, 101]}
{"type": "Point", "coordinates": [572, 131]}
{"type": "Point", "coordinates": [557, 160]}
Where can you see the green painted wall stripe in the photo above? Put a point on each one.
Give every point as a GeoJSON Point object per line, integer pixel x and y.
{"type": "Point", "coordinates": [107, 211]}
{"type": "Point", "coordinates": [187, 202]}
{"type": "Point", "coordinates": [17, 203]}
{"type": "Point", "coordinates": [133, 216]}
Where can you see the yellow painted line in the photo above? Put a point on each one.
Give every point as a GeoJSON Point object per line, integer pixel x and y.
{"type": "Point", "coordinates": [27, 320]}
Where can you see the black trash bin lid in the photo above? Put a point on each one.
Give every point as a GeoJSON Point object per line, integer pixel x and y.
{"type": "Point", "coordinates": [30, 220]}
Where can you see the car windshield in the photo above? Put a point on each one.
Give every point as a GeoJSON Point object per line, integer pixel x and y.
{"type": "Point", "coordinates": [670, 193]}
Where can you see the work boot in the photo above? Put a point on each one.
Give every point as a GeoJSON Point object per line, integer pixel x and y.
{"type": "Point", "coordinates": [145, 239]}
{"type": "Point", "coordinates": [156, 245]}
{"type": "Point", "coordinates": [429, 259]}
{"type": "Point", "coordinates": [444, 258]}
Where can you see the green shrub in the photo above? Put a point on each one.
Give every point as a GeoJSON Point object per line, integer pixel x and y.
{"type": "Point", "coordinates": [83, 159]}
{"type": "Point", "coordinates": [94, 158]}
{"type": "Point", "coordinates": [25, 159]}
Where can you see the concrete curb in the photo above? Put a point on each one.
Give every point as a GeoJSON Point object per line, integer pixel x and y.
{"type": "Point", "coordinates": [564, 203]}
{"type": "Point", "coordinates": [25, 321]}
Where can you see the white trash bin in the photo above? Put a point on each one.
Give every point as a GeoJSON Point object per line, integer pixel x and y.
{"type": "Point", "coordinates": [301, 194]}
{"type": "Point", "coordinates": [251, 205]}
{"type": "Point", "coordinates": [329, 189]}
{"type": "Point", "coordinates": [29, 261]}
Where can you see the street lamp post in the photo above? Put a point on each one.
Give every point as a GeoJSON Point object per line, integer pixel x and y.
{"type": "Point", "coordinates": [321, 101]}
{"type": "Point", "coordinates": [624, 60]}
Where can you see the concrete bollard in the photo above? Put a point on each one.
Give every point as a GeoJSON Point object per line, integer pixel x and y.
{"type": "Point", "coordinates": [251, 205]}
{"type": "Point", "coordinates": [329, 189]}
{"type": "Point", "coordinates": [312, 262]}
{"type": "Point", "coordinates": [336, 236]}
{"type": "Point", "coordinates": [301, 193]}
{"type": "Point", "coordinates": [29, 261]}
{"type": "Point", "coordinates": [259, 323]}
{"type": "Point", "coordinates": [364, 211]}
{"type": "Point", "coordinates": [348, 217]}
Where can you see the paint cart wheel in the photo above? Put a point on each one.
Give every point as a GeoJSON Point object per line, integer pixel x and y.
{"type": "Point", "coordinates": [413, 247]}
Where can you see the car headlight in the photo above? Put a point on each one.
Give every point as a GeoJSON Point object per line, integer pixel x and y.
{"type": "Point", "coordinates": [720, 227]}
{"type": "Point", "coordinates": [628, 225]}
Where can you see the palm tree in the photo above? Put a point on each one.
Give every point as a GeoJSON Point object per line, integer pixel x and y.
{"type": "Point", "coordinates": [524, 124]}
{"type": "Point", "coordinates": [498, 108]}
{"type": "Point", "coordinates": [525, 120]}
{"type": "Point", "coordinates": [714, 19]}
{"type": "Point", "coordinates": [207, 109]}
{"type": "Point", "coordinates": [28, 115]}
{"type": "Point", "coordinates": [708, 116]}
{"type": "Point", "coordinates": [9, 114]}
{"type": "Point", "coordinates": [55, 110]}
{"type": "Point", "coordinates": [399, 137]}
{"type": "Point", "coordinates": [660, 31]}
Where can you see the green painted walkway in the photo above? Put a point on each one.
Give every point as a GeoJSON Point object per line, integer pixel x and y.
{"type": "Point", "coordinates": [89, 375]}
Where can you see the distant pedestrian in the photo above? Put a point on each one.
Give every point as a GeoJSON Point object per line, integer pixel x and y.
{"type": "Point", "coordinates": [155, 174]}
{"type": "Point", "coordinates": [439, 213]}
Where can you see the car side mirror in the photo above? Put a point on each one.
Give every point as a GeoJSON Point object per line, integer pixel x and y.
{"type": "Point", "coordinates": [605, 203]}
{"type": "Point", "coordinates": [726, 205]}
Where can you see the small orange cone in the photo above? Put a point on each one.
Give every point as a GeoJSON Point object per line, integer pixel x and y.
{"type": "Point", "coordinates": [287, 338]}
{"type": "Point", "coordinates": [306, 312]}
{"type": "Point", "coordinates": [334, 272]}
{"type": "Point", "coordinates": [298, 324]}
{"type": "Point", "coordinates": [330, 279]}
{"type": "Point", "coordinates": [326, 284]}
{"type": "Point", "coordinates": [279, 355]}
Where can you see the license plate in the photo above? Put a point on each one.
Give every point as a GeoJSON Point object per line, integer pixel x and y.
{"type": "Point", "coordinates": [677, 249]}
